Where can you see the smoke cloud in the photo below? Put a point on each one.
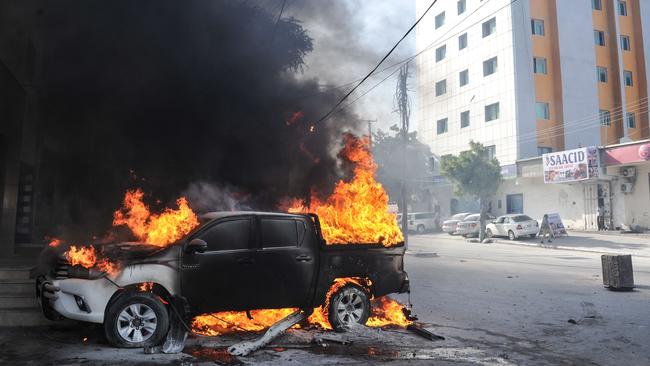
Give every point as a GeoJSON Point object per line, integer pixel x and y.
{"type": "Point", "coordinates": [192, 96]}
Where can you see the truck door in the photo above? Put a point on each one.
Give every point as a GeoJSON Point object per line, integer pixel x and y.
{"type": "Point", "coordinates": [222, 277]}
{"type": "Point", "coordinates": [288, 258]}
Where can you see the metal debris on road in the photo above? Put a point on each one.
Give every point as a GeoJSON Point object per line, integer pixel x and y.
{"type": "Point", "coordinates": [417, 329]}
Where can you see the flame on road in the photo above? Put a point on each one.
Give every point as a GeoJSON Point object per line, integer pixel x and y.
{"type": "Point", "coordinates": [156, 229]}
{"type": "Point", "coordinates": [357, 211]}
{"type": "Point", "coordinates": [384, 312]}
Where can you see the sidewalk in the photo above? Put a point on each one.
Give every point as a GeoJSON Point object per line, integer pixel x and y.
{"type": "Point", "coordinates": [611, 242]}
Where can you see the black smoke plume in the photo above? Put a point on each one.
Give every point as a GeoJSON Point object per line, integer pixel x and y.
{"type": "Point", "coordinates": [162, 94]}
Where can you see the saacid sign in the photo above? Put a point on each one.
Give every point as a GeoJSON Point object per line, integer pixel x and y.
{"type": "Point", "coordinates": [571, 165]}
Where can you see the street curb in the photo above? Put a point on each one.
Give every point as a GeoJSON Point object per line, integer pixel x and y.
{"type": "Point", "coordinates": [561, 247]}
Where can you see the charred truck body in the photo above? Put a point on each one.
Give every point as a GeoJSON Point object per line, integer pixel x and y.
{"type": "Point", "coordinates": [234, 261]}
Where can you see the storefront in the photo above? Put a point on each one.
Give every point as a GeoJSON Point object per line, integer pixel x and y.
{"type": "Point", "coordinates": [628, 165]}
{"type": "Point", "coordinates": [569, 183]}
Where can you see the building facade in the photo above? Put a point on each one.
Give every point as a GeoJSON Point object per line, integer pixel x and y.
{"type": "Point", "coordinates": [534, 77]}
{"type": "Point", "coordinates": [528, 77]}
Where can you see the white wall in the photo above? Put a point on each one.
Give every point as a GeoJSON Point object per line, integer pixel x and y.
{"type": "Point", "coordinates": [568, 200]}
{"type": "Point", "coordinates": [632, 208]}
{"type": "Point", "coordinates": [481, 91]}
{"type": "Point", "coordinates": [578, 68]}
{"type": "Point", "coordinates": [524, 81]}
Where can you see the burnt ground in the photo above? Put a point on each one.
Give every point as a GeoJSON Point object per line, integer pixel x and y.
{"type": "Point", "coordinates": [495, 304]}
{"type": "Point", "coordinates": [80, 344]}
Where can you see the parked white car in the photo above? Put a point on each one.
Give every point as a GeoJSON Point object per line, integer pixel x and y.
{"type": "Point", "coordinates": [471, 225]}
{"type": "Point", "coordinates": [449, 226]}
{"type": "Point", "coordinates": [513, 226]}
{"type": "Point", "coordinates": [420, 221]}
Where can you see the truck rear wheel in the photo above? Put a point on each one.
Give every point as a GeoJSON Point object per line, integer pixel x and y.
{"type": "Point", "coordinates": [136, 319]}
{"type": "Point", "coordinates": [348, 305]}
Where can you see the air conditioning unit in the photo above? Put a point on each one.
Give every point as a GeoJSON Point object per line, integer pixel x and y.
{"type": "Point", "coordinates": [628, 172]}
{"type": "Point", "coordinates": [626, 187]}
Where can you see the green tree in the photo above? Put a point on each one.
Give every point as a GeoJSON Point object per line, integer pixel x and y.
{"type": "Point", "coordinates": [418, 167]}
{"type": "Point", "coordinates": [474, 174]}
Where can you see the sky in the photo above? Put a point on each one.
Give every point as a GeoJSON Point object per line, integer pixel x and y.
{"type": "Point", "coordinates": [350, 37]}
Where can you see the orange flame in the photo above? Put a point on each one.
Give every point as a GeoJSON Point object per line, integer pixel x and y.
{"type": "Point", "coordinates": [357, 211]}
{"type": "Point", "coordinates": [385, 312]}
{"type": "Point", "coordinates": [87, 258]}
{"type": "Point", "coordinates": [83, 256]}
{"type": "Point", "coordinates": [55, 242]}
{"type": "Point", "coordinates": [161, 230]}
{"type": "Point", "coordinates": [146, 287]}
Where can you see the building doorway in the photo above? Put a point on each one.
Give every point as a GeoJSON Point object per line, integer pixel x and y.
{"type": "Point", "coordinates": [515, 203]}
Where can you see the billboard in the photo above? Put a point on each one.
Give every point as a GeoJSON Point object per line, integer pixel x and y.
{"type": "Point", "coordinates": [571, 165]}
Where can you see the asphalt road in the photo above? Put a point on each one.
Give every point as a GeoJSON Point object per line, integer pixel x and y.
{"type": "Point", "coordinates": [496, 304]}
{"type": "Point", "coordinates": [517, 301]}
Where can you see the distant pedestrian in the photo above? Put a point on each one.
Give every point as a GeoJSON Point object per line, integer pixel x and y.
{"type": "Point", "coordinates": [601, 218]}
{"type": "Point", "coordinates": [545, 230]}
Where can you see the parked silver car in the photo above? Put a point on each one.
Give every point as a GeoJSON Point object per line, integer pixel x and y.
{"type": "Point", "coordinates": [450, 226]}
{"type": "Point", "coordinates": [471, 225]}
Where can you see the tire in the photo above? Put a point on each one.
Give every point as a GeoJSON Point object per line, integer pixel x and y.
{"type": "Point", "coordinates": [488, 232]}
{"type": "Point", "coordinates": [533, 236]}
{"type": "Point", "coordinates": [420, 229]}
{"type": "Point", "coordinates": [511, 235]}
{"type": "Point", "coordinates": [350, 304]}
{"type": "Point", "coordinates": [451, 233]}
{"type": "Point", "coordinates": [120, 329]}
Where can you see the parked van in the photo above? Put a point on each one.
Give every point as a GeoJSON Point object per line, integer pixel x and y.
{"type": "Point", "coordinates": [421, 221]}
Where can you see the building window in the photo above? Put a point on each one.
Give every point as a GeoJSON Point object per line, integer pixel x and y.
{"type": "Point", "coordinates": [541, 150]}
{"type": "Point", "coordinates": [630, 119]}
{"type": "Point", "coordinates": [442, 126]}
{"type": "Point", "coordinates": [605, 118]}
{"type": "Point", "coordinates": [462, 41]}
{"type": "Point", "coordinates": [597, 4]}
{"type": "Point", "coordinates": [441, 87]}
{"type": "Point", "coordinates": [440, 20]}
{"type": "Point", "coordinates": [490, 66]}
{"type": "Point", "coordinates": [461, 6]}
{"type": "Point", "coordinates": [602, 74]}
{"type": "Point", "coordinates": [538, 27]}
{"type": "Point", "coordinates": [491, 152]}
{"type": "Point", "coordinates": [441, 53]}
{"type": "Point", "coordinates": [622, 8]}
{"type": "Point", "coordinates": [464, 119]}
{"type": "Point", "coordinates": [539, 65]}
{"type": "Point", "coordinates": [625, 43]}
{"type": "Point", "coordinates": [599, 38]}
{"type": "Point", "coordinates": [491, 112]}
{"type": "Point", "coordinates": [543, 110]}
{"type": "Point", "coordinates": [627, 76]}
{"type": "Point", "coordinates": [489, 27]}
{"type": "Point", "coordinates": [464, 77]}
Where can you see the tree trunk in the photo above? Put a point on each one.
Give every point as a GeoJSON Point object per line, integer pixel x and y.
{"type": "Point", "coordinates": [483, 208]}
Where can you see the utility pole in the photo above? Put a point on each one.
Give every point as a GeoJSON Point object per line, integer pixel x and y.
{"type": "Point", "coordinates": [404, 108]}
{"type": "Point", "coordinates": [370, 122]}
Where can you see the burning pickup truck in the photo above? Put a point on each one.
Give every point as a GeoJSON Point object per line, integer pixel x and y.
{"type": "Point", "coordinates": [232, 261]}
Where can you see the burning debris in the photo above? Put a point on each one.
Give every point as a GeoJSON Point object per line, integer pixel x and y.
{"type": "Point", "coordinates": [357, 211]}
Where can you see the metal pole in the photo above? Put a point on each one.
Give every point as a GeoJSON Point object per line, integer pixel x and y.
{"type": "Point", "coordinates": [401, 96]}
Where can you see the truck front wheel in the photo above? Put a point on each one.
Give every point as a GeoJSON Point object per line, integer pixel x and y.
{"type": "Point", "coordinates": [136, 320]}
{"type": "Point", "coordinates": [348, 305]}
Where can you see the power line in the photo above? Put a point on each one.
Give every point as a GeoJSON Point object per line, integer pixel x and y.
{"type": "Point", "coordinates": [412, 57]}
{"type": "Point", "coordinates": [378, 64]}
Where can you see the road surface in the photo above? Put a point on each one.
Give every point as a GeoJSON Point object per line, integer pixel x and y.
{"type": "Point", "coordinates": [496, 304]}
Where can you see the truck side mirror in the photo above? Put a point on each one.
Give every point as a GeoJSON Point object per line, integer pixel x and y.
{"type": "Point", "coordinates": [196, 246]}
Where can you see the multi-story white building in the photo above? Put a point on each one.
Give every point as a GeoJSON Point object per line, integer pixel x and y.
{"type": "Point", "coordinates": [528, 77]}
{"type": "Point", "coordinates": [532, 76]}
